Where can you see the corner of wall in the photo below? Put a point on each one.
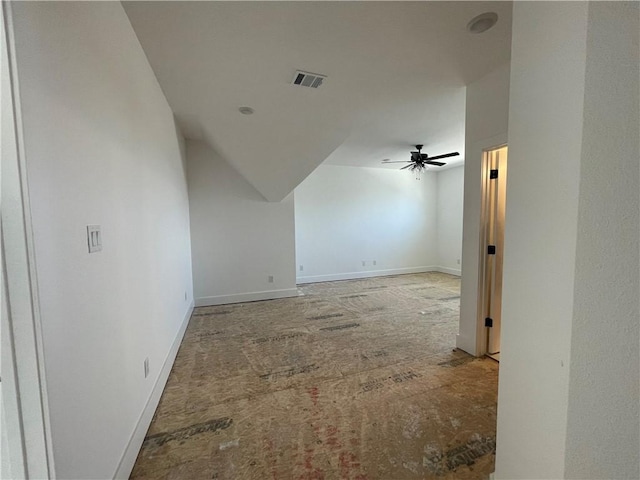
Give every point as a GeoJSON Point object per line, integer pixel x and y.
{"type": "Point", "coordinates": [487, 118]}
{"type": "Point", "coordinates": [243, 247]}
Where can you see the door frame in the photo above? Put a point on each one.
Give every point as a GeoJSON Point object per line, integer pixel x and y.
{"type": "Point", "coordinates": [481, 339]}
{"type": "Point", "coordinates": [482, 264]}
{"type": "Point", "coordinates": [25, 406]}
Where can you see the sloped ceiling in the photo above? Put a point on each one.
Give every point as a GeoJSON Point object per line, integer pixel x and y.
{"type": "Point", "coordinates": [396, 77]}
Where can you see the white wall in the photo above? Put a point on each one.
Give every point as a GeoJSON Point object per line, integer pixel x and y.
{"type": "Point", "coordinates": [450, 185]}
{"type": "Point", "coordinates": [540, 234]}
{"type": "Point", "coordinates": [349, 215]}
{"type": "Point", "coordinates": [101, 148]}
{"type": "Point", "coordinates": [604, 392]}
{"type": "Point", "coordinates": [238, 239]}
{"type": "Point", "coordinates": [568, 392]}
{"type": "Point", "coordinates": [486, 126]}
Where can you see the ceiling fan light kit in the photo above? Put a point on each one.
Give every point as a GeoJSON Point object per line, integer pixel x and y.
{"type": "Point", "coordinates": [419, 161]}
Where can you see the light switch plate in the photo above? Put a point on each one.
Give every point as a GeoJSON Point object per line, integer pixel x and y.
{"type": "Point", "coordinates": [94, 238]}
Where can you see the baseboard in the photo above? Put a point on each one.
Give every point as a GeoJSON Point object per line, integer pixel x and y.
{"type": "Point", "coordinates": [367, 274]}
{"type": "Point", "coordinates": [450, 271]}
{"type": "Point", "coordinates": [463, 343]}
{"type": "Point", "coordinates": [246, 297]}
{"type": "Point", "coordinates": [135, 442]}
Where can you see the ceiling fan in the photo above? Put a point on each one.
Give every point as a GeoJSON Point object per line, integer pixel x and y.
{"type": "Point", "coordinates": [419, 160]}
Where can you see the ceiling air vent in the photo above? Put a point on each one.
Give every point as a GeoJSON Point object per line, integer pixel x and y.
{"type": "Point", "coordinates": [307, 79]}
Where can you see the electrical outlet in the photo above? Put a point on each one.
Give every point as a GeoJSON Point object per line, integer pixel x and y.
{"type": "Point", "coordinates": [301, 268]}
{"type": "Point", "coordinates": [458, 261]}
{"type": "Point", "coordinates": [146, 367]}
{"type": "Point", "coordinates": [375, 263]}
{"type": "Point", "coordinates": [270, 279]}
{"type": "Point", "coordinates": [364, 263]}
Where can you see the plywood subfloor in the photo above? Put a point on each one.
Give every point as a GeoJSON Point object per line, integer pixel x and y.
{"type": "Point", "coordinates": [353, 380]}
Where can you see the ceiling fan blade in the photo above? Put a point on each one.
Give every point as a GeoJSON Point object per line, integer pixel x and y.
{"type": "Point", "coordinates": [439, 164]}
{"type": "Point", "coordinates": [446, 155]}
{"type": "Point", "coordinates": [406, 167]}
{"type": "Point", "coordinates": [399, 161]}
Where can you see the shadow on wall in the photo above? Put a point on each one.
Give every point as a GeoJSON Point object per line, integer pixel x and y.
{"type": "Point", "coordinates": [242, 246]}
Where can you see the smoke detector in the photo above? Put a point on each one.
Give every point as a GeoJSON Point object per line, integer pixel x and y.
{"type": "Point", "coordinates": [308, 79]}
{"type": "Point", "coordinates": [482, 22]}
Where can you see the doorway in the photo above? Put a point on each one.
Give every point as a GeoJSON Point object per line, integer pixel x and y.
{"type": "Point", "coordinates": [494, 195]}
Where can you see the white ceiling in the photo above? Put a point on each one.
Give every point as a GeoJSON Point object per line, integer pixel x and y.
{"type": "Point", "coordinates": [396, 76]}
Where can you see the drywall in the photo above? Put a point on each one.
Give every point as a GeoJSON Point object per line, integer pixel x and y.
{"type": "Point", "coordinates": [450, 186]}
{"type": "Point", "coordinates": [238, 239]}
{"type": "Point", "coordinates": [486, 127]}
{"type": "Point", "coordinates": [603, 429]}
{"type": "Point", "coordinates": [545, 135]}
{"type": "Point", "coordinates": [569, 372]}
{"type": "Point", "coordinates": [100, 148]}
{"type": "Point", "coordinates": [348, 215]}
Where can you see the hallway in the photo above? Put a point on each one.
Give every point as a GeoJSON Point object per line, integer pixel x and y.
{"type": "Point", "coordinates": [352, 379]}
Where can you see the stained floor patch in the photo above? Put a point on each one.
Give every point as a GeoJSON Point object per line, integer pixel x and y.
{"type": "Point", "coordinates": [159, 439]}
{"type": "Point", "coordinates": [456, 362]}
{"type": "Point", "coordinates": [326, 317]}
{"type": "Point", "coordinates": [353, 380]}
{"type": "Point", "coordinates": [340, 327]}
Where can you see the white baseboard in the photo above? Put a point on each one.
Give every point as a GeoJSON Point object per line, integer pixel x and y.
{"type": "Point", "coordinates": [367, 274]}
{"type": "Point", "coordinates": [450, 271]}
{"type": "Point", "coordinates": [135, 442]}
{"type": "Point", "coordinates": [246, 297]}
{"type": "Point", "coordinates": [464, 344]}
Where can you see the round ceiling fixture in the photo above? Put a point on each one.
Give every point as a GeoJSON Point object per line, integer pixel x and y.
{"type": "Point", "coordinates": [245, 110]}
{"type": "Point", "coordinates": [482, 22]}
